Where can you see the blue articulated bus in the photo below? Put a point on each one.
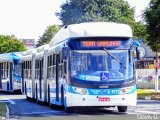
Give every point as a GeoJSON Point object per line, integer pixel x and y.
{"type": "Point", "coordinates": [92, 64]}
{"type": "Point", "coordinates": [85, 65]}
{"type": "Point", "coordinates": [10, 72]}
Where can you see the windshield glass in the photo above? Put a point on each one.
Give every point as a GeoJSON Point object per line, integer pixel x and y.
{"type": "Point", "coordinates": [101, 66]}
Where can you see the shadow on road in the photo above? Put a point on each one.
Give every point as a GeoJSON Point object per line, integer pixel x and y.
{"type": "Point", "coordinates": [24, 109]}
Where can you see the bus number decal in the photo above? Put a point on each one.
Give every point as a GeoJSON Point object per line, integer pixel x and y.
{"type": "Point", "coordinates": [104, 99]}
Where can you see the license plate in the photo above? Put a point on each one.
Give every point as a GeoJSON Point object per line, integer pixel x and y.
{"type": "Point", "coordinates": [104, 99]}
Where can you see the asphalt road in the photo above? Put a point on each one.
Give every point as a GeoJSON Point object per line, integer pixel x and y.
{"type": "Point", "coordinates": [21, 109]}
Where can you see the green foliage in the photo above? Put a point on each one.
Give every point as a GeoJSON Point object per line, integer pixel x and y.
{"type": "Point", "coordinates": [139, 31]}
{"type": "Point", "coordinates": [97, 11]}
{"type": "Point", "coordinates": [48, 34]}
{"type": "Point", "coordinates": [10, 44]}
{"type": "Point", "coordinates": [152, 17]}
{"type": "Point", "coordinates": [78, 11]}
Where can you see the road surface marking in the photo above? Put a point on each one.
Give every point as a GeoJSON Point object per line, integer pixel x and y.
{"type": "Point", "coordinates": [47, 112]}
{"type": "Point", "coordinates": [147, 112]}
{"type": "Point", "coordinates": [3, 99]}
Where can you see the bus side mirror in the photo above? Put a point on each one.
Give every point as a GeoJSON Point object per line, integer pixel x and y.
{"type": "Point", "coordinates": [139, 53]}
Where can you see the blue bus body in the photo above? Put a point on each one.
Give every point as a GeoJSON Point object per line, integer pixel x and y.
{"type": "Point", "coordinates": [80, 83]}
{"type": "Point", "coordinates": [10, 72]}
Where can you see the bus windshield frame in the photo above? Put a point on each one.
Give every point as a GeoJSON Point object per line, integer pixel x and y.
{"type": "Point", "coordinates": [117, 66]}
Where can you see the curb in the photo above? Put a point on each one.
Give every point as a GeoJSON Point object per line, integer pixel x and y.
{"type": "Point", "coordinates": [7, 114]}
{"type": "Point", "coordinates": [148, 98]}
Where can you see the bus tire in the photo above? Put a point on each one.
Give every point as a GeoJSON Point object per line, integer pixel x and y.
{"type": "Point", "coordinates": [25, 87]}
{"type": "Point", "coordinates": [49, 99]}
{"type": "Point", "coordinates": [122, 108]}
{"type": "Point", "coordinates": [36, 94]}
{"type": "Point", "coordinates": [28, 98]}
{"type": "Point", "coordinates": [62, 96]}
{"type": "Point", "coordinates": [68, 109]}
{"type": "Point", "coordinates": [8, 86]}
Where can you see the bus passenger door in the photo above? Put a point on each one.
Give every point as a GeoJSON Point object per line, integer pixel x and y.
{"type": "Point", "coordinates": [57, 77]}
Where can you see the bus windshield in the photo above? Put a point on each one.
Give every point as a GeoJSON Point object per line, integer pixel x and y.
{"type": "Point", "coordinates": [100, 66]}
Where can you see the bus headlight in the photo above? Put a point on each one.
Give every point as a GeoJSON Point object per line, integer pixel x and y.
{"type": "Point", "coordinates": [80, 90]}
{"type": "Point", "coordinates": [126, 90]}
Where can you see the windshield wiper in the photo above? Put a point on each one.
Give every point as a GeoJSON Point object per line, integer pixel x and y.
{"type": "Point", "coordinates": [114, 57]}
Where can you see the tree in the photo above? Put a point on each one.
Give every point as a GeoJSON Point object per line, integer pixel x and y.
{"type": "Point", "coordinates": [120, 11]}
{"type": "Point", "coordinates": [96, 10]}
{"type": "Point", "coordinates": [139, 31]}
{"type": "Point", "coordinates": [152, 17]}
{"type": "Point", "coordinates": [48, 34]}
{"type": "Point", "coordinates": [10, 44]}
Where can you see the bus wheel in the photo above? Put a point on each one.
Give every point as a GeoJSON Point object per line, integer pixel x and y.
{"type": "Point", "coordinates": [49, 99]}
{"type": "Point", "coordinates": [68, 109]}
{"type": "Point", "coordinates": [122, 108]}
{"type": "Point", "coordinates": [62, 96]}
{"type": "Point", "coordinates": [25, 88]}
{"type": "Point", "coordinates": [36, 94]}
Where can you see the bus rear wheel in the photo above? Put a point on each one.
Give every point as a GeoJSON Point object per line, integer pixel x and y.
{"type": "Point", "coordinates": [122, 108]}
{"type": "Point", "coordinates": [68, 109]}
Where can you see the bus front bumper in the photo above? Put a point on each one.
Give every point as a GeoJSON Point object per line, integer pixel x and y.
{"type": "Point", "coordinates": [101, 100]}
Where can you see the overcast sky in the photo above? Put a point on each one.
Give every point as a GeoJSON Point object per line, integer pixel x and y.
{"type": "Point", "coordinates": [29, 18]}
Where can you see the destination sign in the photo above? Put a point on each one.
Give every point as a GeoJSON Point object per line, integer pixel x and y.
{"type": "Point", "coordinates": [100, 43]}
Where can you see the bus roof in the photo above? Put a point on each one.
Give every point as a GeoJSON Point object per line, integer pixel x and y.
{"type": "Point", "coordinates": [27, 55]}
{"type": "Point", "coordinates": [10, 57]}
{"type": "Point", "coordinates": [91, 29]}
{"type": "Point", "coordinates": [28, 52]}
{"type": "Point", "coordinates": [42, 48]}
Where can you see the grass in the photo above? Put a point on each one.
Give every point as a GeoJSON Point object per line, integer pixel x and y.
{"type": "Point", "coordinates": [148, 93]}
{"type": "Point", "coordinates": [3, 109]}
